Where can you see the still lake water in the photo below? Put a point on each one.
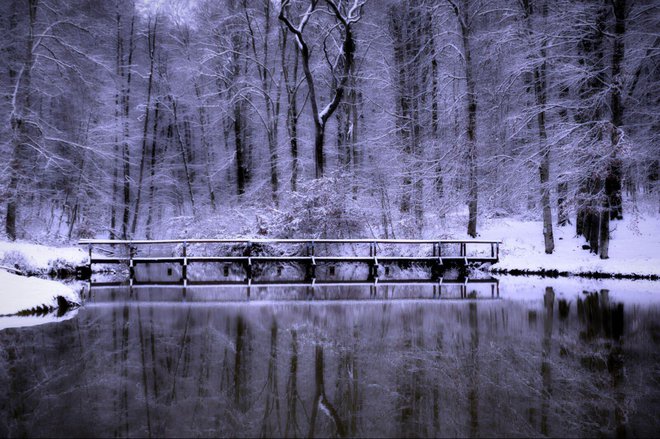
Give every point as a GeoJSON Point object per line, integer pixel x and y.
{"type": "Point", "coordinates": [545, 358]}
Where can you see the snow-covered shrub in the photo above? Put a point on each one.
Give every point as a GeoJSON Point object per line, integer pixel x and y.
{"type": "Point", "coordinates": [60, 266]}
{"type": "Point", "coordinates": [87, 229]}
{"type": "Point", "coordinates": [322, 208]}
{"type": "Point", "coordinates": [15, 259]}
{"type": "Point", "coordinates": [228, 223]}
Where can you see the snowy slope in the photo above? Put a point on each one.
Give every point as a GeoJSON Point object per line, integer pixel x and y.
{"type": "Point", "coordinates": [35, 258]}
{"type": "Point", "coordinates": [18, 293]}
{"type": "Point", "coordinates": [634, 248]}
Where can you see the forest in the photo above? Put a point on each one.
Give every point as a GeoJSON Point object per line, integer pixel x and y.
{"type": "Point", "coordinates": [326, 118]}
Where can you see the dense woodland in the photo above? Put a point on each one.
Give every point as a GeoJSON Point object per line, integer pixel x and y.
{"type": "Point", "coordinates": [129, 118]}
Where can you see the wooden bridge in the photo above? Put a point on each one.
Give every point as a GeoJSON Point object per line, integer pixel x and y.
{"type": "Point", "coordinates": [308, 253]}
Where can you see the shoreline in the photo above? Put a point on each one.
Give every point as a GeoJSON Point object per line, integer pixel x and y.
{"type": "Point", "coordinates": [554, 273]}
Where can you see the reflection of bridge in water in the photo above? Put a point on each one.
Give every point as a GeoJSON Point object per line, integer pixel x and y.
{"type": "Point", "coordinates": [465, 288]}
{"type": "Point", "coordinates": [264, 260]}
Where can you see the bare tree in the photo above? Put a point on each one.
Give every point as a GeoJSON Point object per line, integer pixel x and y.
{"type": "Point", "coordinates": [464, 17]}
{"type": "Point", "coordinates": [541, 97]}
{"type": "Point", "coordinates": [346, 16]}
{"type": "Point", "coordinates": [22, 127]}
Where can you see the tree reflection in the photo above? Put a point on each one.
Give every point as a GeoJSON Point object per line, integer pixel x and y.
{"type": "Point", "coordinates": [429, 368]}
{"type": "Point", "coordinates": [546, 363]}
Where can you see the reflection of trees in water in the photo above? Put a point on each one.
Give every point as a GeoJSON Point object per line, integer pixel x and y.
{"type": "Point", "coordinates": [271, 425]}
{"type": "Point", "coordinates": [546, 368]}
{"type": "Point", "coordinates": [291, 428]}
{"type": "Point", "coordinates": [410, 388]}
{"type": "Point", "coordinates": [602, 328]}
{"type": "Point", "coordinates": [320, 400]}
{"type": "Point", "coordinates": [348, 391]}
{"type": "Point", "coordinates": [402, 369]}
{"type": "Point", "coordinates": [473, 370]}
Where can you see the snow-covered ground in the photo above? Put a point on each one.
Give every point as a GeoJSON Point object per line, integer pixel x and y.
{"type": "Point", "coordinates": [20, 293]}
{"type": "Point", "coordinates": [634, 247]}
{"type": "Point", "coordinates": [40, 259]}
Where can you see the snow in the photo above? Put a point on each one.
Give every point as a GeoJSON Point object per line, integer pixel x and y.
{"type": "Point", "coordinates": [19, 293]}
{"type": "Point", "coordinates": [634, 247]}
{"type": "Point", "coordinates": [36, 258]}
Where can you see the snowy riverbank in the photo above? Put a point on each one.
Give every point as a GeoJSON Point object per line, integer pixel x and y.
{"type": "Point", "coordinates": [39, 259]}
{"type": "Point", "coordinates": [20, 293]}
{"type": "Point", "coordinates": [634, 248]}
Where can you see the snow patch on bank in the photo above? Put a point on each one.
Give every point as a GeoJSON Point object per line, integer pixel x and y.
{"type": "Point", "coordinates": [20, 293]}
{"type": "Point", "coordinates": [35, 258]}
{"type": "Point", "coordinates": [634, 247]}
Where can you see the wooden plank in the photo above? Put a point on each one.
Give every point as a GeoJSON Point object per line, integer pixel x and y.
{"type": "Point", "coordinates": [344, 258]}
{"type": "Point", "coordinates": [218, 258]}
{"type": "Point", "coordinates": [157, 260]}
{"type": "Point", "coordinates": [284, 241]}
{"type": "Point", "coordinates": [347, 259]}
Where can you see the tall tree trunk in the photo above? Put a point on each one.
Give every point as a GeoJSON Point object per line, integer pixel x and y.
{"type": "Point", "coordinates": [19, 124]}
{"type": "Point", "coordinates": [271, 106]}
{"type": "Point", "coordinates": [152, 172]}
{"type": "Point", "coordinates": [347, 55]}
{"type": "Point", "coordinates": [540, 93]}
{"type": "Point", "coordinates": [78, 187]}
{"type": "Point", "coordinates": [241, 166]}
{"type": "Point", "coordinates": [402, 101]}
{"type": "Point", "coordinates": [119, 57]}
{"type": "Point", "coordinates": [319, 157]}
{"type": "Point", "coordinates": [438, 180]}
{"type": "Point", "coordinates": [592, 55]}
{"type": "Point", "coordinates": [612, 207]}
{"type": "Point", "coordinates": [184, 155]}
{"type": "Point", "coordinates": [562, 183]}
{"type": "Point", "coordinates": [613, 179]}
{"type": "Point", "coordinates": [291, 84]}
{"type": "Point", "coordinates": [203, 121]}
{"type": "Point", "coordinates": [151, 38]}
{"type": "Point", "coordinates": [471, 101]}
{"type": "Point", "coordinates": [562, 202]}
{"type": "Point", "coordinates": [126, 153]}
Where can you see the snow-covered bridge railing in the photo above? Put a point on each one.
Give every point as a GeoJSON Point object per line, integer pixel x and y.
{"type": "Point", "coordinates": [439, 254]}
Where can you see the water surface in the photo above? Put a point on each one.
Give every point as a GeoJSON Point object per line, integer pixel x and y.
{"type": "Point", "coordinates": [544, 358]}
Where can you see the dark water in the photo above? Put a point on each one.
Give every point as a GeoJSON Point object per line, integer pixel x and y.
{"type": "Point", "coordinates": [540, 360]}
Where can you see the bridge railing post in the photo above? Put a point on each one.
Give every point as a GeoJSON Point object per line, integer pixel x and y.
{"type": "Point", "coordinates": [184, 263]}
{"type": "Point", "coordinates": [248, 265]}
{"type": "Point", "coordinates": [374, 268]}
{"type": "Point", "coordinates": [436, 270]}
{"type": "Point", "coordinates": [131, 264]}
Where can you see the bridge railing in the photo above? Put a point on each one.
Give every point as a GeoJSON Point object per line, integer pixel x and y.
{"type": "Point", "coordinates": [481, 249]}
{"type": "Point", "coordinates": [246, 252]}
